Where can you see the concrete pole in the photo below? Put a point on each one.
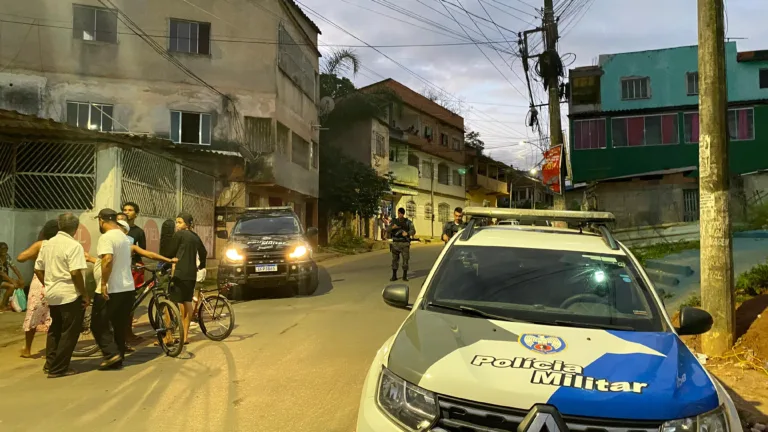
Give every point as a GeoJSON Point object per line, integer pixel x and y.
{"type": "Point", "coordinates": [716, 247]}
{"type": "Point", "coordinates": [553, 83]}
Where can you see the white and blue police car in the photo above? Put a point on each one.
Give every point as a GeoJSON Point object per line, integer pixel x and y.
{"type": "Point", "coordinates": [540, 329]}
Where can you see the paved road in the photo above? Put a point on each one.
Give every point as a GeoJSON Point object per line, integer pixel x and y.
{"type": "Point", "coordinates": [292, 364]}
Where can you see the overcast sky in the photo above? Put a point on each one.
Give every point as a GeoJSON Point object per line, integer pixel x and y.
{"type": "Point", "coordinates": [494, 102]}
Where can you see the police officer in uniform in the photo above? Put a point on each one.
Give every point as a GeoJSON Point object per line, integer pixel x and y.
{"type": "Point", "coordinates": [452, 227]}
{"type": "Point", "coordinates": [401, 232]}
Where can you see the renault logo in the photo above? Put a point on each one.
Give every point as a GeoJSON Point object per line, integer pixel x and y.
{"type": "Point", "coordinates": [543, 418]}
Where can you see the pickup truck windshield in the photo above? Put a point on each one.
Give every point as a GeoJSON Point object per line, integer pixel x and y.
{"type": "Point", "coordinates": [270, 225]}
{"type": "Point", "coordinates": [548, 287]}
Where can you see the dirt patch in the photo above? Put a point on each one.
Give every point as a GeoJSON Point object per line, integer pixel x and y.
{"type": "Point", "coordinates": [752, 327]}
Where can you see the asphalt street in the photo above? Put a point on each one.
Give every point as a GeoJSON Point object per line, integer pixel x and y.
{"type": "Point", "coordinates": [291, 364]}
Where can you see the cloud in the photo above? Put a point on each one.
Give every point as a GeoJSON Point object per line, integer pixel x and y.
{"type": "Point", "coordinates": [491, 105]}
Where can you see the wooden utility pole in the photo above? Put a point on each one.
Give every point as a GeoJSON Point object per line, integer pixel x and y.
{"type": "Point", "coordinates": [716, 247]}
{"type": "Point", "coordinates": [553, 86]}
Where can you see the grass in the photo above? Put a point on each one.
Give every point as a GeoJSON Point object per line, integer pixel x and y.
{"type": "Point", "coordinates": [660, 250]}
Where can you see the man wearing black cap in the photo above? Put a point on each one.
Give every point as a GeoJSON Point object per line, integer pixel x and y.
{"type": "Point", "coordinates": [114, 292]}
{"type": "Point", "coordinates": [187, 247]}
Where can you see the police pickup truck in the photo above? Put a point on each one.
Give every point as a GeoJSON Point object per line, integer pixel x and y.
{"type": "Point", "coordinates": [540, 329]}
{"type": "Point", "coordinates": [268, 248]}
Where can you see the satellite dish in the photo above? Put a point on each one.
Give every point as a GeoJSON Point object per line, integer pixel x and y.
{"type": "Point", "coordinates": [326, 105]}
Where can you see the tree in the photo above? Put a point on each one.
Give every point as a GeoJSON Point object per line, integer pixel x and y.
{"type": "Point", "coordinates": [472, 139]}
{"type": "Point", "coordinates": [331, 82]}
{"type": "Point", "coordinates": [348, 185]}
{"type": "Point", "coordinates": [446, 101]}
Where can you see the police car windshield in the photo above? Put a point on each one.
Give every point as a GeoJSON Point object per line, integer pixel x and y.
{"type": "Point", "coordinates": [269, 225]}
{"type": "Point", "coordinates": [546, 286]}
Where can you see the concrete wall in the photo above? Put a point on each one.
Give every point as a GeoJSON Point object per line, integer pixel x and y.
{"type": "Point", "coordinates": [46, 67]}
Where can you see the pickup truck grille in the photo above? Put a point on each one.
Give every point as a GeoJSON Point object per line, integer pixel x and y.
{"type": "Point", "coordinates": [458, 415]}
{"type": "Point", "coordinates": [272, 257]}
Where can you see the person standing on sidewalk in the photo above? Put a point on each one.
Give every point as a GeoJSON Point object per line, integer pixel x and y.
{"type": "Point", "coordinates": [131, 210]}
{"type": "Point", "coordinates": [401, 231]}
{"type": "Point", "coordinates": [187, 247]}
{"type": "Point", "coordinates": [115, 292]}
{"type": "Point", "coordinates": [60, 265]}
{"type": "Point", "coordinates": [452, 227]}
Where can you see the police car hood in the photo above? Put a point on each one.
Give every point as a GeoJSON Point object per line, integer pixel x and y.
{"type": "Point", "coordinates": [582, 372]}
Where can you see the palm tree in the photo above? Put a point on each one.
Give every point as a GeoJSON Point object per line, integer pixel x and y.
{"type": "Point", "coordinates": [341, 60]}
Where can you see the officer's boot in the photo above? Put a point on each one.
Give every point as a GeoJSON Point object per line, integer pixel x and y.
{"type": "Point", "coordinates": [405, 274]}
{"type": "Point", "coordinates": [394, 275]}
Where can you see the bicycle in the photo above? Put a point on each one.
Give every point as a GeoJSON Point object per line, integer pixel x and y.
{"type": "Point", "coordinates": [218, 308]}
{"type": "Point", "coordinates": [165, 319]}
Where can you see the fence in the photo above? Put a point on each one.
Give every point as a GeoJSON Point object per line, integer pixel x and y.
{"type": "Point", "coordinates": [47, 176]}
{"type": "Point", "coordinates": [162, 188]}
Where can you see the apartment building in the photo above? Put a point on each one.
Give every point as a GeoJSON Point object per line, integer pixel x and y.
{"type": "Point", "coordinates": [224, 75]}
{"type": "Point", "coordinates": [634, 126]}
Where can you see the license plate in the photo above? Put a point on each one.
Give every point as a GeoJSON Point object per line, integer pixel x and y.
{"type": "Point", "coordinates": [266, 268]}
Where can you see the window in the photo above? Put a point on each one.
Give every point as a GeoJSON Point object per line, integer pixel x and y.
{"type": "Point", "coordinates": [94, 24]}
{"type": "Point", "coordinates": [300, 151]}
{"type": "Point", "coordinates": [190, 37]}
{"type": "Point", "coordinates": [544, 286]}
{"type": "Point", "coordinates": [90, 116]}
{"type": "Point", "coordinates": [457, 178]}
{"type": "Point", "coordinates": [456, 143]}
{"type": "Point", "coordinates": [443, 174]}
{"type": "Point", "coordinates": [381, 148]}
{"type": "Point", "coordinates": [642, 131]}
{"type": "Point", "coordinates": [692, 83]}
{"type": "Point", "coordinates": [294, 63]}
{"type": "Point", "coordinates": [410, 210]}
{"type": "Point", "coordinates": [690, 205]}
{"type": "Point", "coordinates": [763, 78]}
{"type": "Point", "coordinates": [282, 138]}
{"type": "Point", "coordinates": [315, 154]}
{"type": "Point", "coordinates": [741, 124]}
{"type": "Point", "coordinates": [444, 212]}
{"type": "Point", "coordinates": [428, 213]}
{"type": "Point", "coordinates": [413, 160]}
{"type": "Point", "coordinates": [444, 140]}
{"type": "Point", "coordinates": [426, 169]}
{"type": "Point", "coordinates": [190, 128]}
{"type": "Point", "coordinates": [258, 134]}
{"type": "Point", "coordinates": [589, 134]}
{"type": "Point", "coordinates": [428, 132]}
{"type": "Point", "coordinates": [635, 88]}
{"type": "Point", "coordinates": [691, 127]}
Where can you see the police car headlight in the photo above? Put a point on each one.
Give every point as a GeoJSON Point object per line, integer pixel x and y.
{"type": "Point", "coordinates": [234, 255]}
{"type": "Point", "coordinates": [409, 405]}
{"type": "Point", "coordinates": [299, 252]}
{"type": "Point", "coordinates": [713, 421]}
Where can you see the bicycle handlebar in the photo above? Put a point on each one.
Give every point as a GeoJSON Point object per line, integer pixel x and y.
{"type": "Point", "coordinates": [161, 268]}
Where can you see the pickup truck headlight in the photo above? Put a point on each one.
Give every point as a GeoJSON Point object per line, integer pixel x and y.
{"type": "Point", "coordinates": [299, 252]}
{"type": "Point", "coordinates": [409, 405]}
{"type": "Point", "coordinates": [713, 421]}
{"type": "Point", "coordinates": [234, 255]}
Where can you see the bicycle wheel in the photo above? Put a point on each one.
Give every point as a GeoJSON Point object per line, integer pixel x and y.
{"type": "Point", "coordinates": [151, 313]}
{"type": "Point", "coordinates": [86, 344]}
{"type": "Point", "coordinates": [170, 332]}
{"type": "Point", "coordinates": [216, 317]}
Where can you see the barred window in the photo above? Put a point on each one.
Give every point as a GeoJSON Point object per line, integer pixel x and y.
{"type": "Point", "coordinates": [444, 212]}
{"type": "Point", "coordinates": [428, 211]}
{"type": "Point", "coordinates": [381, 148]}
{"type": "Point", "coordinates": [48, 176]}
{"type": "Point", "coordinates": [410, 209]}
{"type": "Point", "coordinates": [443, 174]}
{"type": "Point", "coordinates": [258, 134]}
{"type": "Point", "coordinates": [300, 151]}
{"type": "Point", "coordinates": [292, 60]}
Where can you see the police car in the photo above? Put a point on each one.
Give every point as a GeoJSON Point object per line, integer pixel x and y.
{"type": "Point", "coordinates": [540, 329]}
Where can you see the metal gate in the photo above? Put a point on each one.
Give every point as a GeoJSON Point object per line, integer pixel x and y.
{"type": "Point", "coordinates": [198, 199]}
{"type": "Point", "coordinates": [149, 181]}
{"type": "Point", "coordinates": [690, 205]}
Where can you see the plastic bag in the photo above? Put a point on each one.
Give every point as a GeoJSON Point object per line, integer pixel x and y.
{"type": "Point", "coordinates": [19, 300]}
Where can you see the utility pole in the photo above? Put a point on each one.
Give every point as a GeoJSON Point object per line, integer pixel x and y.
{"type": "Point", "coordinates": [716, 246]}
{"type": "Point", "coordinates": [553, 85]}
{"type": "Point", "coordinates": [432, 195]}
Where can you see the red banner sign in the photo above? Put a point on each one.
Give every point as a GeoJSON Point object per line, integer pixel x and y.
{"type": "Point", "coordinates": [550, 173]}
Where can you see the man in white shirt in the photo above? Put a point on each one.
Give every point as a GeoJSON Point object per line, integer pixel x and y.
{"type": "Point", "coordinates": [115, 293]}
{"type": "Point", "coordinates": [60, 265]}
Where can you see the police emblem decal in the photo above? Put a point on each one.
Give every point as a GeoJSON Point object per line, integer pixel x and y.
{"type": "Point", "coordinates": [544, 344]}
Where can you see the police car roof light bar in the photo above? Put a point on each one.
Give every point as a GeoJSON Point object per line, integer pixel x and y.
{"type": "Point", "coordinates": [278, 208]}
{"type": "Point", "coordinates": [574, 217]}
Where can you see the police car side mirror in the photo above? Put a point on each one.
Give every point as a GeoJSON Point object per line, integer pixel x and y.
{"type": "Point", "coordinates": [312, 232]}
{"type": "Point", "coordinates": [222, 234]}
{"type": "Point", "coordinates": [694, 321]}
{"type": "Point", "coordinates": [396, 295]}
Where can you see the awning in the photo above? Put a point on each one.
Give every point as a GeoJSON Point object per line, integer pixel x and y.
{"type": "Point", "coordinates": [403, 190]}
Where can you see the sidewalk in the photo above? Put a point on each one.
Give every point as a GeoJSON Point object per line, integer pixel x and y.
{"type": "Point", "coordinates": [10, 328]}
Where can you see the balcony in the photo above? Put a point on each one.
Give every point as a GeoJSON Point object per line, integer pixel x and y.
{"type": "Point", "coordinates": [493, 186]}
{"type": "Point", "coordinates": [404, 174]}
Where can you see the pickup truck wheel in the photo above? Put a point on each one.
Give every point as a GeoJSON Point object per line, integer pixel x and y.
{"type": "Point", "coordinates": [308, 286]}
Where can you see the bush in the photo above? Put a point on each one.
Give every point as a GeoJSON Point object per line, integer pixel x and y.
{"type": "Point", "coordinates": [757, 216]}
{"type": "Point", "coordinates": [693, 301]}
{"type": "Point", "coordinates": [663, 249]}
{"type": "Point", "coordinates": [753, 282]}
{"type": "Point", "coordinates": [346, 239]}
